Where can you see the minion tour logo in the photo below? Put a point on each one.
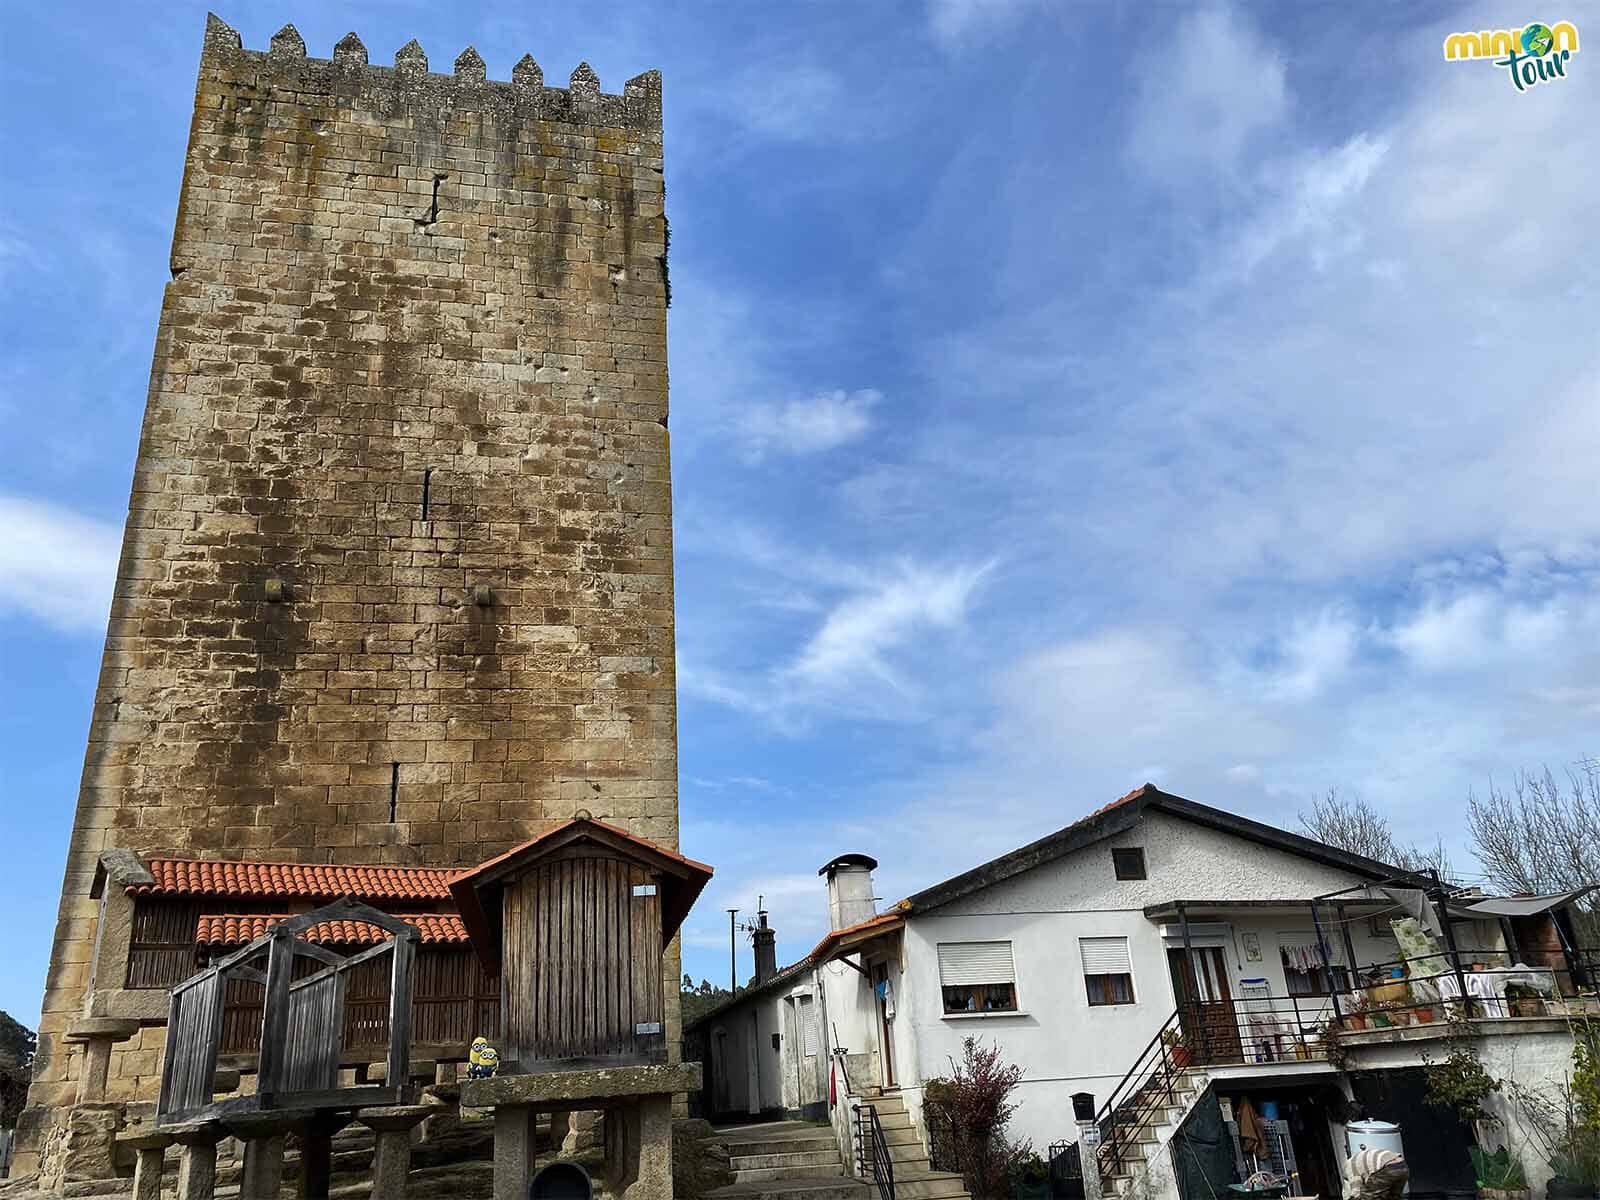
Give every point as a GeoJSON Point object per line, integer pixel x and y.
{"type": "Point", "coordinates": [1535, 54]}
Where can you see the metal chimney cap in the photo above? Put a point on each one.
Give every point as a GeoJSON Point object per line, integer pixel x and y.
{"type": "Point", "coordinates": [849, 860]}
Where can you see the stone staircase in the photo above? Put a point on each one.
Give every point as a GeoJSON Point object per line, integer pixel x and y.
{"type": "Point", "coordinates": [786, 1160]}
{"type": "Point", "coordinates": [914, 1177]}
{"type": "Point", "coordinates": [1146, 1139]}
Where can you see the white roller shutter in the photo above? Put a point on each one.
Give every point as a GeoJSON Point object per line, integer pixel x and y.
{"type": "Point", "coordinates": [1105, 956]}
{"type": "Point", "coordinates": [808, 1025]}
{"type": "Point", "coordinates": [967, 964]}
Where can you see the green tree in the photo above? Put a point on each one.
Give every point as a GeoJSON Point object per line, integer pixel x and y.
{"type": "Point", "coordinates": [17, 1046]}
{"type": "Point", "coordinates": [697, 1001]}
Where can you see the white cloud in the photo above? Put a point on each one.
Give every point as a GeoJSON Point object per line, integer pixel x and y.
{"type": "Point", "coordinates": [55, 565]}
{"type": "Point", "coordinates": [956, 24]}
{"type": "Point", "coordinates": [856, 641]}
{"type": "Point", "coordinates": [821, 422]}
{"type": "Point", "coordinates": [1220, 86]}
{"type": "Point", "coordinates": [785, 101]}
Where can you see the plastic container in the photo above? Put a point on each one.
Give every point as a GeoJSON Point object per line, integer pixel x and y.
{"type": "Point", "coordinates": [1269, 1110]}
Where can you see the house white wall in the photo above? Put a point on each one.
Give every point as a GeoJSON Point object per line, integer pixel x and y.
{"type": "Point", "coordinates": [748, 1073]}
{"type": "Point", "coordinates": [1063, 1043]}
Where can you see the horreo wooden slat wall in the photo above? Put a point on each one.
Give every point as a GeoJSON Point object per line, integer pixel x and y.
{"type": "Point", "coordinates": [581, 972]}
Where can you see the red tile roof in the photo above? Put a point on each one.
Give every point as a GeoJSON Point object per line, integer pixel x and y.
{"type": "Point", "coordinates": [855, 934]}
{"type": "Point", "coordinates": [186, 877]}
{"type": "Point", "coordinates": [236, 930]}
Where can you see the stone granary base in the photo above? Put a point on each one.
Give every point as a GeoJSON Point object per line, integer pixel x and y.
{"type": "Point", "coordinates": [637, 1102]}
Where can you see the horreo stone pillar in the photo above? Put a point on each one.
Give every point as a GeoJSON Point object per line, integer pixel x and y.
{"type": "Point", "coordinates": [391, 1160]}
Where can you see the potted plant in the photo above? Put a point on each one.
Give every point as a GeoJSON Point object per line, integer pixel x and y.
{"type": "Point", "coordinates": [1460, 1082]}
{"type": "Point", "coordinates": [1178, 1048]}
{"type": "Point", "coordinates": [1524, 1001]}
{"type": "Point", "coordinates": [1356, 1018]}
{"type": "Point", "coordinates": [1500, 1176]}
{"type": "Point", "coordinates": [1030, 1178]}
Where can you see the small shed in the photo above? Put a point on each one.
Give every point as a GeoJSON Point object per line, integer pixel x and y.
{"type": "Point", "coordinates": [575, 923]}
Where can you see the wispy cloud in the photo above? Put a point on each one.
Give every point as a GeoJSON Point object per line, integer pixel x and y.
{"type": "Point", "coordinates": [1220, 87]}
{"type": "Point", "coordinates": [817, 423]}
{"type": "Point", "coordinates": [56, 566]}
{"type": "Point", "coordinates": [956, 24]}
{"type": "Point", "coordinates": [858, 640]}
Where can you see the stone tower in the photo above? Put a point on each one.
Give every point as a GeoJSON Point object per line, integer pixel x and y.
{"type": "Point", "coordinates": [396, 584]}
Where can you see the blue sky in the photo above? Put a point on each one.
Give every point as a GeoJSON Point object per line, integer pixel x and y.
{"type": "Point", "coordinates": [1063, 397]}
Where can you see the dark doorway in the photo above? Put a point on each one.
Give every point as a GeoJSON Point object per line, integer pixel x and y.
{"type": "Point", "coordinates": [1205, 1004]}
{"type": "Point", "coordinates": [1304, 1112]}
{"type": "Point", "coordinates": [880, 979]}
{"type": "Point", "coordinates": [1436, 1141]}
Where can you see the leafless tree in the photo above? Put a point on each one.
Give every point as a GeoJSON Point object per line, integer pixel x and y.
{"type": "Point", "coordinates": [1350, 823]}
{"type": "Point", "coordinates": [1541, 835]}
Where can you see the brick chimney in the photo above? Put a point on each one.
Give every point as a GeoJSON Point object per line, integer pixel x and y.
{"type": "Point", "coordinates": [850, 898]}
{"type": "Point", "coordinates": [766, 944]}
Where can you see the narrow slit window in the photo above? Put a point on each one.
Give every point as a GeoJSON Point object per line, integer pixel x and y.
{"type": "Point", "coordinates": [394, 793]}
{"type": "Point", "coordinates": [427, 485]}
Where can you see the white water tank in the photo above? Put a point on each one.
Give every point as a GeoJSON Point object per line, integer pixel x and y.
{"type": "Point", "coordinates": [1372, 1135]}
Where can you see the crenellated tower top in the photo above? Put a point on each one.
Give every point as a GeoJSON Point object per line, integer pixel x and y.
{"type": "Point", "coordinates": [409, 84]}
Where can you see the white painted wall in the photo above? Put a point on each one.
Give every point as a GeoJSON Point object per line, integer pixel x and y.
{"type": "Point", "coordinates": [1065, 1045]}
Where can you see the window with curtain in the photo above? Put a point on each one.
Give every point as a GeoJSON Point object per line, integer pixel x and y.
{"type": "Point", "coordinates": [1306, 971]}
{"type": "Point", "coordinates": [977, 977]}
{"type": "Point", "coordinates": [1107, 970]}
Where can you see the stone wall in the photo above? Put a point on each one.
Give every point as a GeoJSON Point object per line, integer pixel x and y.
{"type": "Point", "coordinates": [396, 584]}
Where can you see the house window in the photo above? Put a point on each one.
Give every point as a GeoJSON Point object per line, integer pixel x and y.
{"type": "Point", "coordinates": [977, 977]}
{"type": "Point", "coordinates": [1306, 972]}
{"type": "Point", "coordinates": [1129, 862]}
{"type": "Point", "coordinates": [1107, 970]}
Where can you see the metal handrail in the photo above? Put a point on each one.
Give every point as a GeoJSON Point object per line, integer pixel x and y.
{"type": "Point", "coordinates": [1148, 1085]}
{"type": "Point", "coordinates": [872, 1139]}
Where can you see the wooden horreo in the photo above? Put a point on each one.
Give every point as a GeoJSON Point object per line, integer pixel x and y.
{"type": "Point", "coordinates": [303, 1022]}
{"type": "Point", "coordinates": [575, 924]}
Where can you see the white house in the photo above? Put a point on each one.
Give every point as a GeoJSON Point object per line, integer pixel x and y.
{"type": "Point", "coordinates": [1157, 941]}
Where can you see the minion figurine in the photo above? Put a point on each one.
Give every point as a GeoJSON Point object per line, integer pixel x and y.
{"type": "Point", "coordinates": [488, 1062]}
{"type": "Point", "coordinates": [483, 1061]}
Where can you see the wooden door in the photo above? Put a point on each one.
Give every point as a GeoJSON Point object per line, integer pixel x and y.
{"type": "Point", "coordinates": [1205, 1004]}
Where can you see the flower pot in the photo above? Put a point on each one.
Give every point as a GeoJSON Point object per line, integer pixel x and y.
{"type": "Point", "coordinates": [1182, 1056]}
{"type": "Point", "coordinates": [1424, 1015]}
{"type": "Point", "coordinates": [1355, 1021]}
{"type": "Point", "coordinates": [1381, 1021]}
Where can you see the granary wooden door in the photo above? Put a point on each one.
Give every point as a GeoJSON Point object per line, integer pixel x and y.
{"type": "Point", "coordinates": [581, 978]}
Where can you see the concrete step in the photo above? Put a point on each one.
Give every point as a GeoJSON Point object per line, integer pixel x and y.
{"type": "Point", "coordinates": [927, 1185]}
{"type": "Point", "coordinates": [793, 1145]}
{"type": "Point", "coordinates": [816, 1159]}
{"type": "Point", "coordinates": [904, 1136]}
{"type": "Point", "coordinates": [769, 1174]}
{"type": "Point", "coordinates": [907, 1152]}
{"type": "Point", "coordinates": [894, 1120]}
{"type": "Point", "coordinates": [818, 1187]}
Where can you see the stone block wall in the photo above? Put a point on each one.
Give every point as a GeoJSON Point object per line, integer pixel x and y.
{"type": "Point", "coordinates": [396, 584]}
